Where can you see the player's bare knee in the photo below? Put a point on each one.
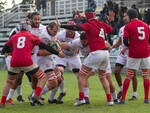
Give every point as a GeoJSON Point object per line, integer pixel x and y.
{"type": "Point", "coordinates": [102, 76]}
{"type": "Point", "coordinates": [10, 81]}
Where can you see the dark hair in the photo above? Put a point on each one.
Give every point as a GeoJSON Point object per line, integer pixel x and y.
{"type": "Point", "coordinates": [51, 25]}
{"type": "Point", "coordinates": [29, 15]}
{"type": "Point", "coordinates": [132, 13]}
{"type": "Point", "coordinates": [83, 36]}
{"type": "Point", "coordinates": [34, 13]}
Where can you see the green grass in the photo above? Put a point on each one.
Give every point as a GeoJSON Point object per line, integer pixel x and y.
{"type": "Point", "coordinates": [97, 97]}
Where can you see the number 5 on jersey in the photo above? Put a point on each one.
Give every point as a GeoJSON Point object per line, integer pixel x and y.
{"type": "Point", "coordinates": [101, 33]}
{"type": "Point", "coordinates": [21, 42]}
{"type": "Point", "coordinates": [141, 32]}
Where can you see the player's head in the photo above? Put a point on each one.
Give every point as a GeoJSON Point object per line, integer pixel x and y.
{"type": "Point", "coordinates": [52, 28]}
{"type": "Point", "coordinates": [70, 33]}
{"type": "Point", "coordinates": [29, 13]}
{"type": "Point", "coordinates": [126, 18]}
{"type": "Point", "coordinates": [35, 19]}
{"type": "Point", "coordinates": [83, 39]}
{"type": "Point", "coordinates": [90, 14]}
{"type": "Point", "coordinates": [132, 13]}
{"type": "Point", "coordinates": [23, 26]}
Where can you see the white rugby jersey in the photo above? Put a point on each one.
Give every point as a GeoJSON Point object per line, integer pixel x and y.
{"type": "Point", "coordinates": [61, 36]}
{"type": "Point", "coordinates": [122, 46]}
{"type": "Point", "coordinates": [46, 39]}
{"type": "Point", "coordinates": [76, 43]}
{"type": "Point", "coordinates": [37, 32]}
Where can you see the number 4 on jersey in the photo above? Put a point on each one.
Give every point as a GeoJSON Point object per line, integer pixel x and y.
{"type": "Point", "coordinates": [21, 42]}
{"type": "Point", "coordinates": [101, 33]}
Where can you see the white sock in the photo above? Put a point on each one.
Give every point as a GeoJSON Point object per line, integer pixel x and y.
{"type": "Point", "coordinates": [19, 90]}
{"type": "Point", "coordinates": [86, 92]}
{"type": "Point", "coordinates": [44, 90]}
{"type": "Point", "coordinates": [114, 95]}
{"type": "Point", "coordinates": [134, 94]}
{"type": "Point", "coordinates": [33, 90]}
{"type": "Point", "coordinates": [53, 93]}
{"type": "Point", "coordinates": [62, 89]}
{"type": "Point", "coordinates": [10, 94]}
{"type": "Point", "coordinates": [120, 87]}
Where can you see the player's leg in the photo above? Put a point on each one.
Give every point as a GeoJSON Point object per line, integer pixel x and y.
{"type": "Point", "coordinates": [52, 81]}
{"type": "Point", "coordinates": [82, 83]}
{"type": "Point", "coordinates": [105, 83]}
{"type": "Point", "coordinates": [60, 69]}
{"type": "Point", "coordinates": [134, 84]}
{"type": "Point", "coordinates": [112, 88]}
{"type": "Point", "coordinates": [132, 65]}
{"type": "Point", "coordinates": [34, 70]}
{"type": "Point", "coordinates": [120, 62]}
{"type": "Point", "coordinates": [145, 66]}
{"type": "Point", "coordinates": [16, 85]}
{"type": "Point", "coordinates": [19, 91]}
{"type": "Point", "coordinates": [118, 77]}
{"type": "Point", "coordinates": [9, 82]}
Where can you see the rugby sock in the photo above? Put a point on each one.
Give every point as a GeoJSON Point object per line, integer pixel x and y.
{"type": "Point", "coordinates": [19, 90]}
{"type": "Point", "coordinates": [44, 90]}
{"type": "Point", "coordinates": [108, 97]}
{"type": "Point", "coordinates": [3, 99]}
{"type": "Point", "coordinates": [53, 93]}
{"type": "Point", "coordinates": [62, 89]}
{"type": "Point", "coordinates": [146, 88]}
{"type": "Point", "coordinates": [38, 91]}
{"type": "Point", "coordinates": [81, 95]}
{"type": "Point", "coordinates": [114, 95]}
{"type": "Point", "coordinates": [134, 94]}
{"type": "Point", "coordinates": [86, 93]}
{"type": "Point", "coordinates": [125, 88]}
{"type": "Point", "coordinates": [10, 94]}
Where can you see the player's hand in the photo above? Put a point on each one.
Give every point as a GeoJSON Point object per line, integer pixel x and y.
{"type": "Point", "coordinates": [57, 22]}
{"type": "Point", "coordinates": [61, 54]}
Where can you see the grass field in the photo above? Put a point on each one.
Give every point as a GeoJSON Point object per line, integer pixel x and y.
{"type": "Point", "coordinates": [97, 97]}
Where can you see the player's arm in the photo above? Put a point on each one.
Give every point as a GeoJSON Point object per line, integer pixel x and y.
{"type": "Point", "coordinates": [51, 50]}
{"type": "Point", "coordinates": [117, 44]}
{"type": "Point", "coordinates": [126, 41]}
{"type": "Point", "coordinates": [124, 50]}
{"type": "Point", "coordinates": [70, 27]}
{"type": "Point", "coordinates": [108, 46]}
{"type": "Point", "coordinates": [6, 49]}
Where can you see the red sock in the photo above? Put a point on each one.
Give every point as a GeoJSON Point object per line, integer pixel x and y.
{"type": "Point", "coordinates": [146, 88]}
{"type": "Point", "coordinates": [3, 99]}
{"type": "Point", "coordinates": [108, 97]}
{"type": "Point", "coordinates": [81, 95]}
{"type": "Point", "coordinates": [38, 91]}
{"type": "Point", "coordinates": [125, 88]}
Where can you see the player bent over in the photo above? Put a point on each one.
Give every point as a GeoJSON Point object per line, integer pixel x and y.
{"type": "Point", "coordinates": [22, 44]}
{"type": "Point", "coordinates": [98, 56]}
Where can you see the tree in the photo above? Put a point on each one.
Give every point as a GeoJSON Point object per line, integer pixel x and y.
{"type": "Point", "coordinates": [2, 4]}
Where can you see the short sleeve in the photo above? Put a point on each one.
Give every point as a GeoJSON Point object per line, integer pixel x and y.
{"type": "Point", "coordinates": [85, 26]}
{"type": "Point", "coordinates": [60, 35]}
{"type": "Point", "coordinates": [9, 42]}
{"type": "Point", "coordinates": [108, 28]}
{"type": "Point", "coordinates": [36, 40]}
{"type": "Point", "coordinates": [75, 43]}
